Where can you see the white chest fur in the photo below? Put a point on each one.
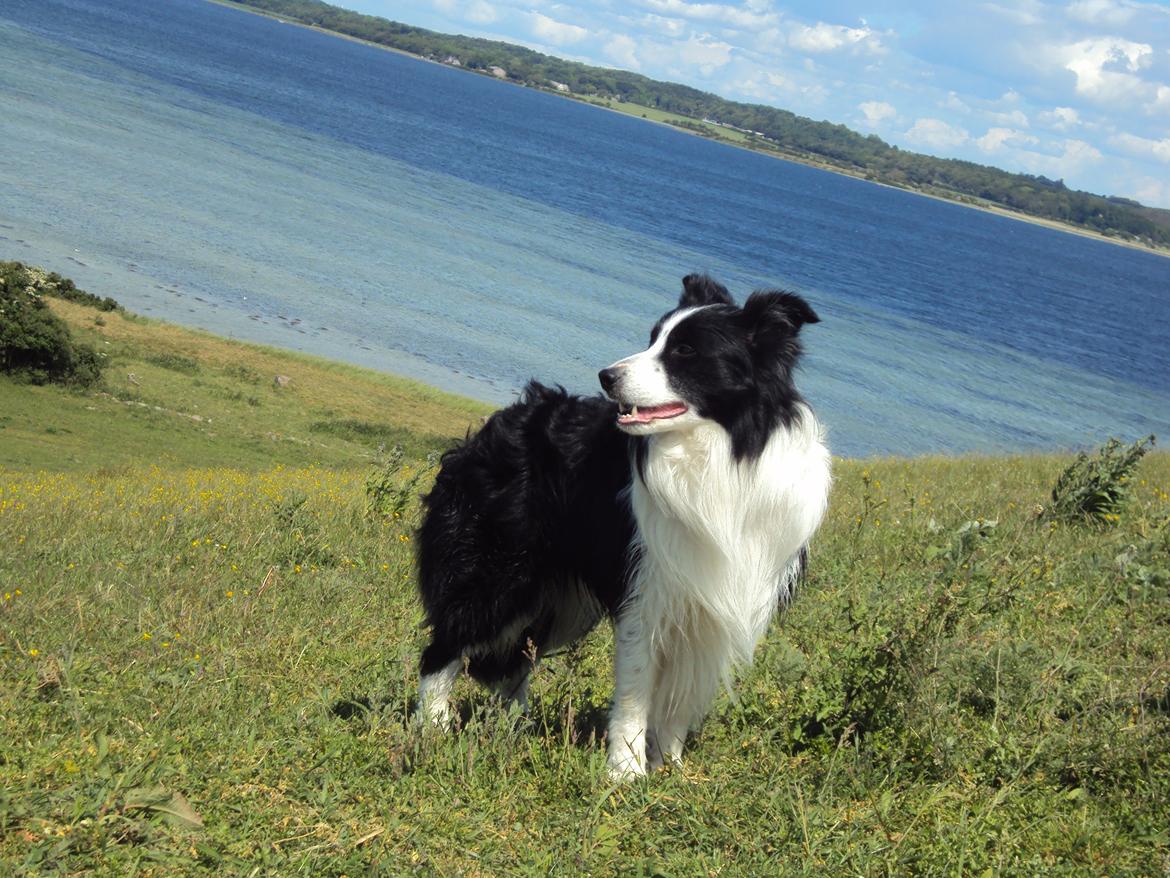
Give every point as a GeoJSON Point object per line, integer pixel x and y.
{"type": "Point", "coordinates": [717, 536]}
{"type": "Point", "coordinates": [719, 542]}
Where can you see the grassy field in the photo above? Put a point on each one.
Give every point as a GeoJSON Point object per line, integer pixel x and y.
{"type": "Point", "coordinates": [177, 397]}
{"type": "Point", "coordinates": [709, 129]}
{"type": "Point", "coordinates": [208, 640]}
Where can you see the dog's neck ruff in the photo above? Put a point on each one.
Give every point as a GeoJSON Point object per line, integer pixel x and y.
{"type": "Point", "coordinates": [718, 538]}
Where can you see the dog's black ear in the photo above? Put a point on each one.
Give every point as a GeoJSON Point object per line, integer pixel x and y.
{"type": "Point", "coordinates": [769, 307]}
{"type": "Point", "coordinates": [699, 289]}
{"type": "Point", "coordinates": [773, 318]}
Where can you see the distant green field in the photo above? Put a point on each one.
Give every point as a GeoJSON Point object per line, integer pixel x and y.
{"type": "Point", "coordinates": [178, 397]}
{"type": "Point", "coordinates": [709, 128]}
{"type": "Point", "coordinates": [208, 643]}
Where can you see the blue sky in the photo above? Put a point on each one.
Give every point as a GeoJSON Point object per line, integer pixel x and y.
{"type": "Point", "coordinates": [1077, 89]}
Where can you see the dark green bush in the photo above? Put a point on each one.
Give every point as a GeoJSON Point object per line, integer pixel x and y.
{"type": "Point", "coordinates": [49, 283]}
{"type": "Point", "coordinates": [175, 362]}
{"type": "Point", "coordinates": [1095, 488]}
{"type": "Point", "coordinates": [34, 343]}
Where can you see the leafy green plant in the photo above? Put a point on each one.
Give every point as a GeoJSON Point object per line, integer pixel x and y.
{"type": "Point", "coordinates": [393, 488]}
{"type": "Point", "coordinates": [1145, 565]}
{"type": "Point", "coordinates": [300, 538]}
{"type": "Point", "coordinates": [240, 372]}
{"type": "Point", "coordinates": [49, 283]}
{"type": "Point", "coordinates": [175, 362]}
{"type": "Point", "coordinates": [35, 344]}
{"type": "Point", "coordinates": [885, 651]}
{"type": "Point", "coordinates": [1095, 488]}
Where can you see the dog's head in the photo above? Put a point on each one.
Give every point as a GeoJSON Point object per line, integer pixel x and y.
{"type": "Point", "coordinates": [710, 360]}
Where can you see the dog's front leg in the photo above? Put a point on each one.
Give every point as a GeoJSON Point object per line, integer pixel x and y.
{"type": "Point", "coordinates": [633, 681]}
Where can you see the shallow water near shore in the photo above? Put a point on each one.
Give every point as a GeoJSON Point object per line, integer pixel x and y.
{"type": "Point", "coordinates": [267, 182]}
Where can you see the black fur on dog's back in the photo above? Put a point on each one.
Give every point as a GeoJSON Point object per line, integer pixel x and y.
{"type": "Point", "coordinates": [524, 515]}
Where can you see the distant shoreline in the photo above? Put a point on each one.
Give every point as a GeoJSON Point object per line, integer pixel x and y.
{"type": "Point", "coordinates": [604, 104]}
{"type": "Point", "coordinates": [601, 104]}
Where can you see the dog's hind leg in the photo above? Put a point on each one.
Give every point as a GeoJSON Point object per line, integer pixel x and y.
{"type": "Point", "coordinates": [506, 675]}
{"type": "Point", "coordinates": [513, 690]}
{"type": "Point", "coordinates": [438, 670]}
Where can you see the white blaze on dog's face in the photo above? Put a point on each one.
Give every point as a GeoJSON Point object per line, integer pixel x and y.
{"type": "Point", "coordinates": [711, 361]}
{"type": "Point", "coordinates": [641, 386]}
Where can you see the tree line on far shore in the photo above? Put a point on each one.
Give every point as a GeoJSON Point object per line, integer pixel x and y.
{"type": "Point", "coordinates": [768, 128]}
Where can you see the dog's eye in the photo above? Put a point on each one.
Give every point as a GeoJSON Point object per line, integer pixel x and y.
{"type": "Point", "coordinates": [682, 350]}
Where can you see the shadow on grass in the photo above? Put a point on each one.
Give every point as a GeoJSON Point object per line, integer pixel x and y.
{"type": "Point", "coordinates": [583, 727]}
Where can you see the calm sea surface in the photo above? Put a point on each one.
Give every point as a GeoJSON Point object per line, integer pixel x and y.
{"type": "Point", "coordinates": [268, 182]}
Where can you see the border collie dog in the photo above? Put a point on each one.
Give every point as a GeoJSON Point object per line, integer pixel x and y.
{"type": "Point", "coordinates": [680, 507]}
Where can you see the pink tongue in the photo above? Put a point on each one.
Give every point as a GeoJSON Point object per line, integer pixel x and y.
{"type": "Point", "coordinates": [653, 413]}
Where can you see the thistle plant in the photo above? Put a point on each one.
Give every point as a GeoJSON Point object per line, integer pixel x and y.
{"type": "Point", "coordinates": [1093, 489]}
{"type": "Point", "coordinates": [393, 488]}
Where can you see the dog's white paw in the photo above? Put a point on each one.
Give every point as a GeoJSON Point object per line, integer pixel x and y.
{"type": "Point", "coordinates": [626, 766]}
{"type": "Point", "coordinates": [435, 715]}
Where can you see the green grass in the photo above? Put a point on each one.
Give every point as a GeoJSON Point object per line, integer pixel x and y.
{"type": "Point", "coordinates": [178, 397]}
{"type": "Point", "coordinates": [709, 129]}
{"type": "Point", "coordinates": [960, 688]}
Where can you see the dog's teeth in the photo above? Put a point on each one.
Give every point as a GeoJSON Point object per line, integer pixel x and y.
{"type": "Point", "coordinates": [634, 412]}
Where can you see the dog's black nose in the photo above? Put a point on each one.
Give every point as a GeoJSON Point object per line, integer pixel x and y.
{"type": "Point", "coordinates": [608, 378]}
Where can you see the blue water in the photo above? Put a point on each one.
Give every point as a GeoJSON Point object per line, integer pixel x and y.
{"type": "Point", "coordinates": [261, 180]}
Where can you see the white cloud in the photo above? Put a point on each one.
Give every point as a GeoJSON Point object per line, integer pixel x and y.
{"type": "Point", "coordinates": [556, 32]}
{"type": "Point", "coordinates": [822, 37]}
{"type": "Point", "coordinates": [1015, 118]}
{"type": "Point", "coordinates": [751, 18]}
{"type": "Point", "coordinates": [1077, 152]}
{"type": "Point", "coordinates": [1151, 190]}
{"type": "Point", "coordinates": [1094, 63]}
{"type": "Point", "coordinates": [481, 13]}
{"type": "Point", "coordinates": [662, 25]}
{"type": "Point", "coordinates": [877, 112]}
{"type": "Point", "coordinates": [1073, 157]}
{"type": "Point", "coordinates": [1059, 118]}
{"type": "Point", "coordinates": [702, 51]}
{"type": "Point", "coordinates": [956, 103]}
{"type": "Point", "coordinates": [936, 134]}
{"type": "Point", "coordinates": [1161, 102]}
{"type": "Point", "coordinates": [1018, 151]}
{"type": "Point", "coordinates": [997, 138]}
{"type": "Point", "coordinates": [764, 86]}
{"type": "Point", "coordinates": [1021, 12]}
{"type": "Point", "coordinates": [1108, 12]}
{"type": "Point", "coordinates": [623, 51]}
{"type": "Point", "coordinates": [1142, 147]}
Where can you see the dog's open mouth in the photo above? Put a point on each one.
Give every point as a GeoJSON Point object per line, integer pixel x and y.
{"type": "Point", "coordinates": [647, 413]}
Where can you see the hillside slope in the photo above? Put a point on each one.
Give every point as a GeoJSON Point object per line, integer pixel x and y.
{"type": "Point", "coordinates": [179, 397]}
